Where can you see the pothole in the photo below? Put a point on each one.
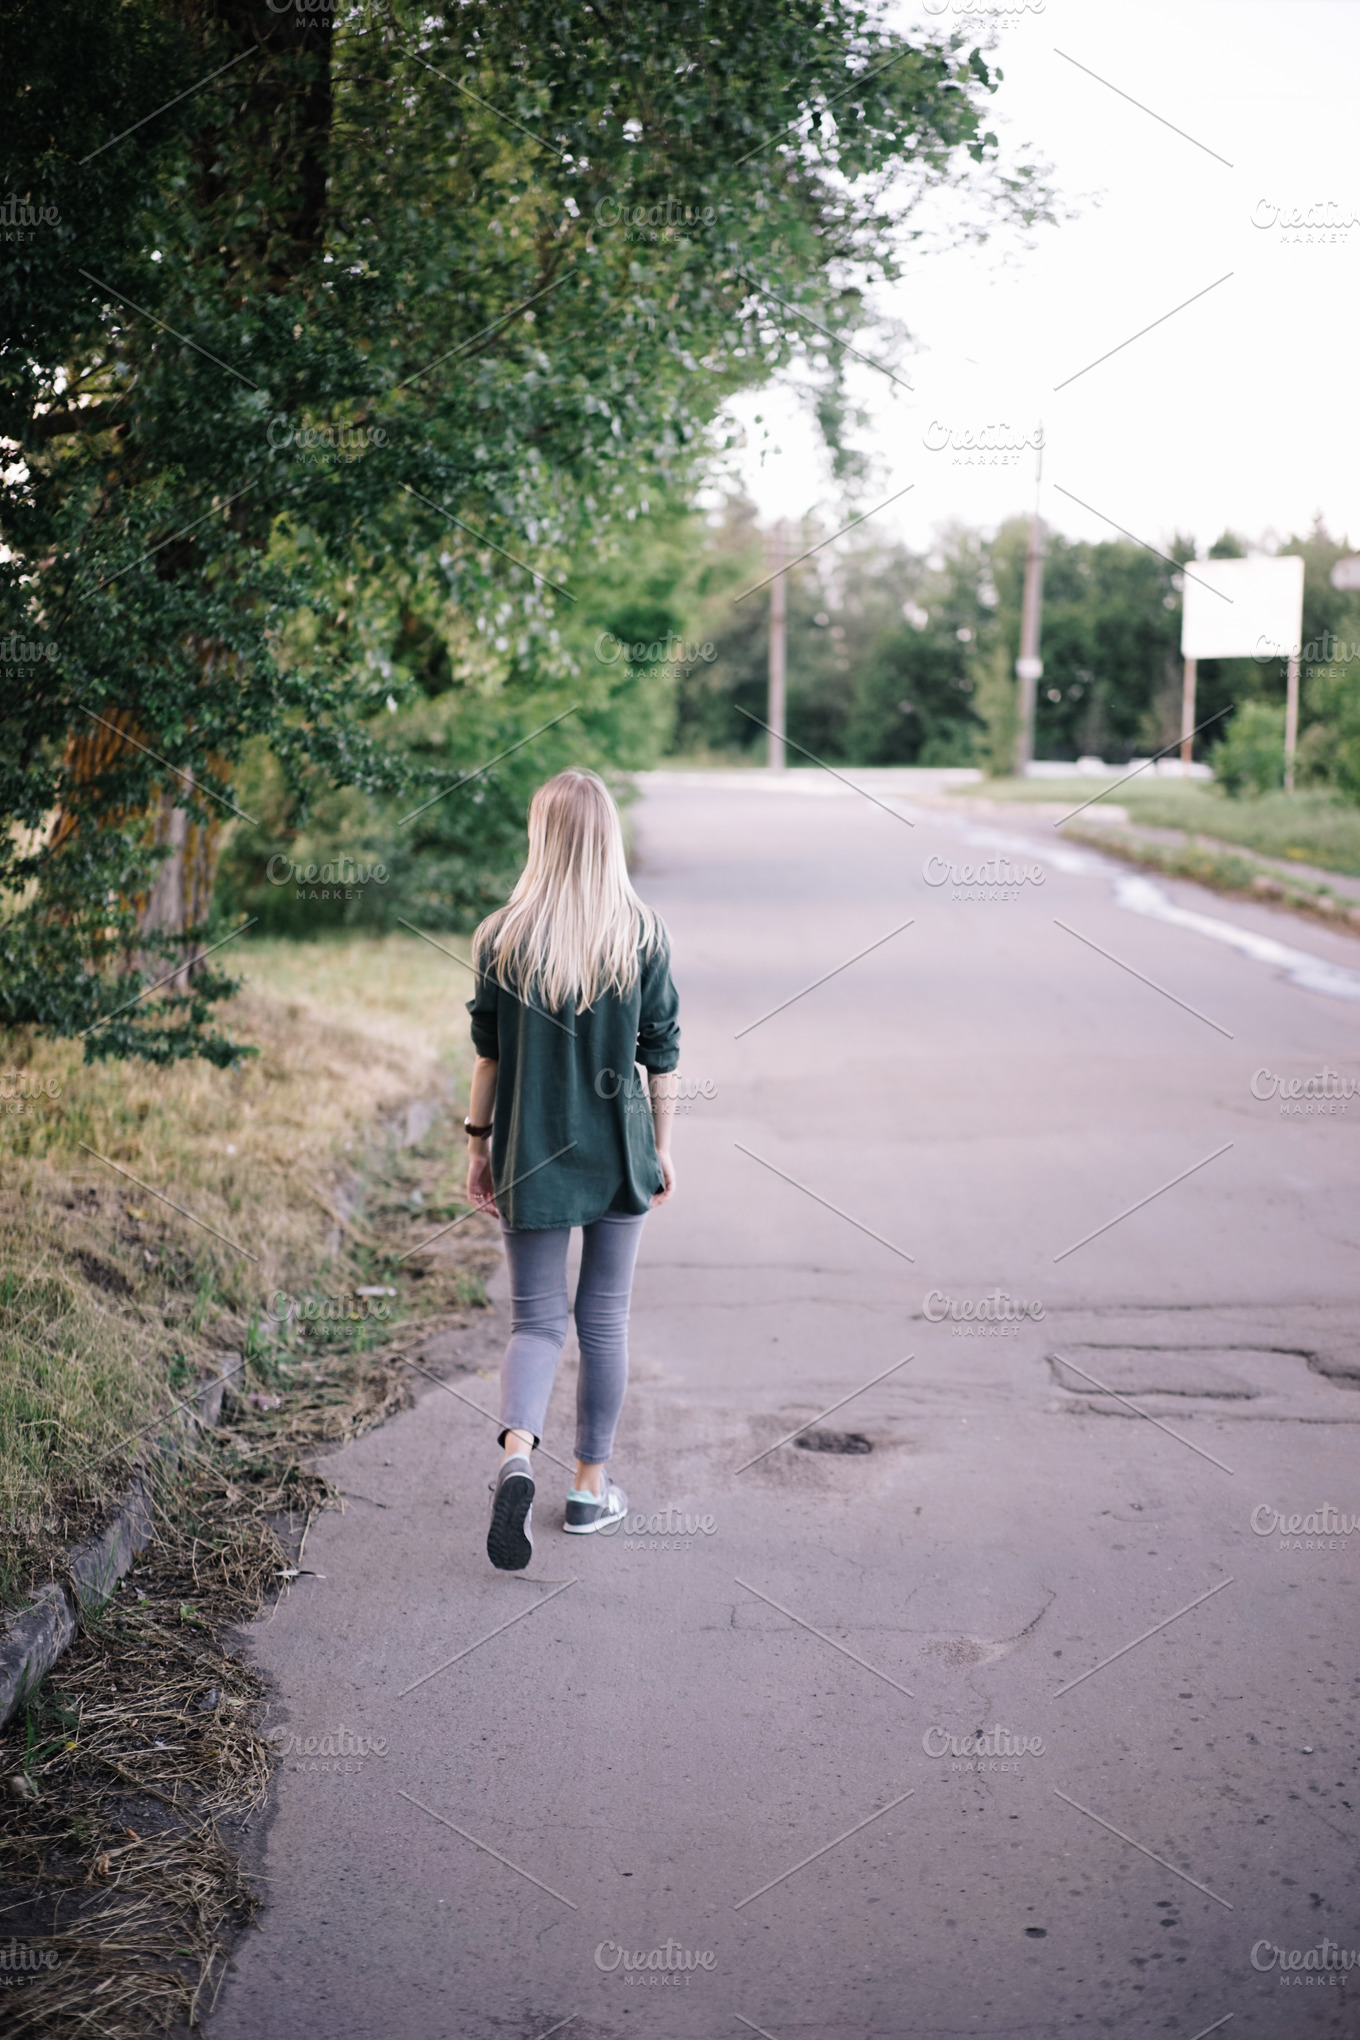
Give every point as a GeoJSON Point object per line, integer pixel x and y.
{"type": "Point", "coordinates": [961, 1652]}
{"type": "Point", "coordinates": [1211, 1374]}
{"type": "Point", "coordinates": [833, 1441]}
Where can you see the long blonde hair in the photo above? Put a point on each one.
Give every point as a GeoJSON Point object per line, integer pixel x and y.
{"type": "Point", "coordinates": [573, 926]}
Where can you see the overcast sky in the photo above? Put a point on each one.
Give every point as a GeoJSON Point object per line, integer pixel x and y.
{"type": "Point", "coordinates": [1241, 409]}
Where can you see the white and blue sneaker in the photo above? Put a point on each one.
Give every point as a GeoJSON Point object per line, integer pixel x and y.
{"type": "Point", "coordinates": [510, 1540]}
{"type": "Point", "coordinates": [587, 1512]}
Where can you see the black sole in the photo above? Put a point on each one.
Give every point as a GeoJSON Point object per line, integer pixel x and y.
{"type": "Point", "coordinates": [507, 1545]}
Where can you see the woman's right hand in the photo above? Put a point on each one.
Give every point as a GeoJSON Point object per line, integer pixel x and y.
{"type": "Point", "coordinates": [480, 1191]}
{"type": "Point", "coordinates": [668, 1171]}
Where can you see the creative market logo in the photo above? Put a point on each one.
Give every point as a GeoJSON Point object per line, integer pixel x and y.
{"type": "Point", "coordinates": [998, 445]}
{"type": "Point", "coordinates": [21, 1962]}
{"type": "Point", "coordinates": [1324, 1094]}
{"type": "Point", "coordinates": [984, 1749]}
{"type": "Point", "coordinates": [668, 1529]}
{"type": "Point", "coordinates": [16, 651]}
{"type": "Point", "coordinates": [997, 1316]}
{"type": "Point", "coordinates": [670, 652]}
{"type": "Point", "coordinates": [670, 1964]}
{"type": "Point", "coordinates": [338, 1752]}
{"type": "Point", "coordinates": [22, 1094]}
{"type": "Point", "coordinates": [1320, 1529]}
{"type": "Point", "coordinates": [324, 9]}
{"type": "Point", "coordinates": [998, 878]}
{"type": "Point", "coordinates": [340, 878]}
{"type": "Point", "coordinates": [1326, 1964]}
{"type": "Point", "coordinates": [323, 445]}
{"type": "Point", "coordinates": [680, 1092]}
{"type": "Point", "coordinates": [19, 220]}
{"type": "Point", "coordinates": [1325, 221]}
{"type": "Point", "coordinates": [668, 219]}
{"type": "Point", "coordinates": [983, 10]}
{"type": "Point", "coordinates": [1323, 656]}
{"type": "Point", "coordinates": [331, 1317]}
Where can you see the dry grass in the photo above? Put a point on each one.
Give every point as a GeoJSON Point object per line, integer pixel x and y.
{"type": "Point", "coordinates": [137, 1766]}
{"type": "Point", "coordinates": [112, 1302]}
{"type": "Point", "coordinates": [395, 988]}
{"type": "Point", "coordinates": [134, 1772]}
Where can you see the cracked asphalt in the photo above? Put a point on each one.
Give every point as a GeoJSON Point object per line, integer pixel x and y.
{"type": "Point", "coordinates": [1030, 1721]}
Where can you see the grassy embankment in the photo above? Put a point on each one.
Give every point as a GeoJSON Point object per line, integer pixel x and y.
{"type": "Point", "coordinates": [132, 1775]}
{"type": "Point", "coordinates": [1309, 828]}
{"type": "Point", "coordinates": [112, 1303]}
{"type": "Point", "coordinates": [1237, 846]}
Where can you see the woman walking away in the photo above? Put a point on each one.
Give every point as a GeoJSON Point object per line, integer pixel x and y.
{"type": "Point", "coordinates": [573, 992]}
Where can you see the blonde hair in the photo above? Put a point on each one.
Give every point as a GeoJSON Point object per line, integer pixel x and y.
{"type": "Point", "coordinates": [573, 926]}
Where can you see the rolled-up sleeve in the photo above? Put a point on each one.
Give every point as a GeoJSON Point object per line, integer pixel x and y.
{"type": "Point", "coordinates": [485, 1032]}
{"type": "Point", "coordinates": [658, 1042]}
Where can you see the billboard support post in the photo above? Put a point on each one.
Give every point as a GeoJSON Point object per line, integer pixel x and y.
{"type": "Point", "coordinates": [1188, 710]}
{"type": "Point", "coordinates": [1291, 720]}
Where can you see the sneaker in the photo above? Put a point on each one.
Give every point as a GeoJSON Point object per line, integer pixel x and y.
{"type": "Point", "coordinates": [510, 1540]}
{"type": "Point", "coordinates": [587, 1512]}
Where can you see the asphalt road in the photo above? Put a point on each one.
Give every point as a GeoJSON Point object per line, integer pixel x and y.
{"type": "Point", "coordinates": [747, 1745]}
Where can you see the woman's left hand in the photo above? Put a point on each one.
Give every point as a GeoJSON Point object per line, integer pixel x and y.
{"type": "Point", "coordinates": [480, 1189]}
{"type": "Point", "coordinates": [668, 1171]}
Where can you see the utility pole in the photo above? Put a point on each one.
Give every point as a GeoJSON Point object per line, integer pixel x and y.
{"type": "Point", "coordinates": [774, 713]}
{"type": "Point", "coordinates": [1029, 667]}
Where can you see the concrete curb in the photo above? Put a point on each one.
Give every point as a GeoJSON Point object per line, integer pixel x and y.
{"type": "Point", "coordinates": [1320, 895]}
{"type": "Point", "coordinates": [32, 1641]}
{"type": "Point", "coordinates": [1225, 868]}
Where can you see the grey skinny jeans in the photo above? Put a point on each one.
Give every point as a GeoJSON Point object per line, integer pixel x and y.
{"type": "Point", "coordinates": [538, 1326]}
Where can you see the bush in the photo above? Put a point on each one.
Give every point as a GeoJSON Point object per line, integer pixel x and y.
{"type": "Point", "coordinates": [1334, 695]}
{"type": "Point", "coordinates": [1250, 758]}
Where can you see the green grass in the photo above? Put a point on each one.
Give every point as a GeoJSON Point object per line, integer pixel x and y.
{"type": "Point", "coordinates": [405, 992]}
{"type": "Point", "coordinates": [718, 761]}
{"type": "Point", "coordinates": [1308, 828]}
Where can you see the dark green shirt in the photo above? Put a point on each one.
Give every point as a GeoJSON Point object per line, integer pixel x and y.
{"type": "Point", "coordinates": [572, 1129]}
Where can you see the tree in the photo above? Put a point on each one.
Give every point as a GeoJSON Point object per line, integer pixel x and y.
{"type": "Point", "coordinates": [461, 296]}
{"type": "Point", "coordinates": [875, 676]}
{"type": "Point", "coordinates": [1111, 632]}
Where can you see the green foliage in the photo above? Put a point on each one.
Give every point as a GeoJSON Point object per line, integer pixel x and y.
{"type": "Point", "coordinates": [1250, 759]}
{"type": "Point", "coordinates": [897, 658]}
{"type": "Point", "coordinates": [474, 726]}
{"type": "Point", "coordinates": [326, 374]}
{"type": "Point", "coordinates": [998, 706]}
{"type": "Point", "coordinates": [913, 701]}
{"type": "Point", "coordinates": [1330, 750]}
{"type": "Point", "coordinates": [864, 682]}
{"type": "Point", "coordinates": [900, 658]}
{"type": "Point", "coordinates": [1110, 642]}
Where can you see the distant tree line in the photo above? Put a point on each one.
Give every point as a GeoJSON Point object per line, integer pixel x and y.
{"type": "Point", "coordinates": [903, 658]}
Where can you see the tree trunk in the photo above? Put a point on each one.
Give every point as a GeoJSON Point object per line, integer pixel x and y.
{"type": "Point", "coordinates": [181, 892]}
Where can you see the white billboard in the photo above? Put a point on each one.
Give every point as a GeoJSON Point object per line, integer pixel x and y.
{"type": "Point", "coordinates": [1242, 609]}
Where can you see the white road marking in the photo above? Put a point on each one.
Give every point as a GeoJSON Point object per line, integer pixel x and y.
{"type": "Point", "coordinates": [1310, 973]}
{"type": "Point", "coordinates": [1142, 896]}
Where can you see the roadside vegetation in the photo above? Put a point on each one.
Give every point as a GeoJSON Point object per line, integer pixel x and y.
{"type": "Point", "coordinates": [113, 1303]}
{"type": "Point", "coordinates": [131, 1776]}
{"type": "Point", "coordinates": [1310, 827]}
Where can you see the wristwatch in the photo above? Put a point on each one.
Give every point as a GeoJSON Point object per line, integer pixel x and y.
{"type": "Point", "coordinates": [476, 1132]}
